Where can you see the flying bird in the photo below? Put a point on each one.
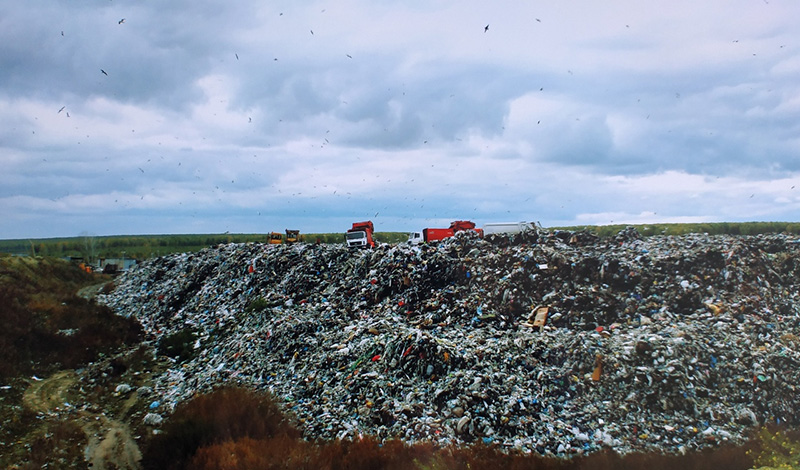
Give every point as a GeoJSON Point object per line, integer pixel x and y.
{"type": "Point", "coordinates": [348, 55]}
{"type": "Point", "coordinates": [486, 28]}
{"type": "Point", "coordinates": [62, 109]}
{"type": "Point", "coordinates": [312, 32]}
{"type": "Point", "coordinates": [237, 56]}
{"type": "Point", "coordinates": [104, 72]}
{"type": "Point", "coordinates": [121, 21]}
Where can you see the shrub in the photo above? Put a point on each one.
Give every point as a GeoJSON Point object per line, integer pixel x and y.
{"type": "Point", "coordinates": [179, 346]}
{"type": "Point", "coordinates": [280, 452]}
{"type": "Point", "coordinates": [62, 442]}
{"type": "Point", "coordinates": [108, 288]}
{"type": "Point", "coordinates": [256, 305]}
{"type": "Point", "coordinates": [45, 323]}
{"type": "Point", "coordinates": [224, 415]}
{"type": "Point", "coordinates": [777, 450]}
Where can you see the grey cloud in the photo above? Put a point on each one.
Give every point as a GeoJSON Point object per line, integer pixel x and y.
{"type": "Point", "coordinates": [145, 59]}
{"type": "Point", "coordinates": [528, 120]}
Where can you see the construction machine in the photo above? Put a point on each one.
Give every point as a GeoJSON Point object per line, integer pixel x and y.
{"type": "Point", "coordinates": [292, 236]}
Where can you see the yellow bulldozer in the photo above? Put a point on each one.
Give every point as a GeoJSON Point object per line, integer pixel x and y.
{"type": "Point", "coordinates": [292, 236]}
{"type": "Point", "coordinates": [276, 238]}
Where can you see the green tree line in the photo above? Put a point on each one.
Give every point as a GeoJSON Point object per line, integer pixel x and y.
{"type": "Point", "coordinates": [91, 248]}
{"type": "Point", "coordinates": [716, 228]}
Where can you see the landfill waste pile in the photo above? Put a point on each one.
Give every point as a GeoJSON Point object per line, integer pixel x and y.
{"type": "Point", "coordinates": [554, 342]}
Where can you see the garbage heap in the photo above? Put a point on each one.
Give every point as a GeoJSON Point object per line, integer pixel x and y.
{"type": "Point", "coordinates": [550, 342]}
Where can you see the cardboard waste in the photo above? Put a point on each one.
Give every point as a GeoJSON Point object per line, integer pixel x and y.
{"type": "Point", "coordinates": [550, 342]}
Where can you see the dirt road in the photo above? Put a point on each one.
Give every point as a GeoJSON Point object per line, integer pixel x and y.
{"type": "Point", "coordinates": [110, 444]}
{"type": "Point", "coordinates": [49, 394]}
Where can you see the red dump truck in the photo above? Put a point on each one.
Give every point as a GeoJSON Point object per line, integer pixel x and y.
{"type": "Point", "coordinates": [428, 235]}
{"type": "Point", "coordinates": [360, 236]}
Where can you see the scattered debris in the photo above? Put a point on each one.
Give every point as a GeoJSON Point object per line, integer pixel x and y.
{"type": "Point", "coordinates": [551, 342]}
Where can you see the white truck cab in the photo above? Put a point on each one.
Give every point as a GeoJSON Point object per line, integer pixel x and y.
{"type": "Point", "coordinates": [415, 238]}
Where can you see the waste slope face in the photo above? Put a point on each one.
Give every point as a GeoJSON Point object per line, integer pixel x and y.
{"type": "Point", "coordinates": [664, 343]}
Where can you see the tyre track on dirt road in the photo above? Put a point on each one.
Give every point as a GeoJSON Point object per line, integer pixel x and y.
{"type": "Point", "coordinates": [110, 444]}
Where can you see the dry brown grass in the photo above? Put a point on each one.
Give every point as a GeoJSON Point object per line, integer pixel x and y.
{"type": "Point", "coordinates": [238, 429]}
{"type": "Point", "coordinates": [226, 415]}
{"type": "Point", "coordinates": [45, 325]}
{"type": "Point", "coordinates": [284, 452]}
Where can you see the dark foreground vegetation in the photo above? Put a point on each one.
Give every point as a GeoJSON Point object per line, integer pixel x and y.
{"type": "Point", "coordinates": [234, 428]}
{"type": "Point", "coordinates": [46, 328]}
{"type": "Point", "coordinates": [717, 228]}
{"type": "Point", "coordinates": [45, 325]}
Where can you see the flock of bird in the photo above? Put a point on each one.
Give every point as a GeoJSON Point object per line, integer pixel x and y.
{"type": "Point", "coordinates": [486, 30]}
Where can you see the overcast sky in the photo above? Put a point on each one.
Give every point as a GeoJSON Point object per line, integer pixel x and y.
{"type": "Point", "coordinates": [148, 117]}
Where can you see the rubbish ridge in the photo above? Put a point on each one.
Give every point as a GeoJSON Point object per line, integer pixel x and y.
{"type": "Point", "coordinates": [668, 343]}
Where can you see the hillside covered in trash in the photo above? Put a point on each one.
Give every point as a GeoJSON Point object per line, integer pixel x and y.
{"type": "Point", "coordinates": [551, 342]}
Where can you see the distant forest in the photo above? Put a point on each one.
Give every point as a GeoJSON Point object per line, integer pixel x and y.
{"type": "Point", "coordinates": [717, 228]}
{"type": "Point", "coordinates": [91, 248]}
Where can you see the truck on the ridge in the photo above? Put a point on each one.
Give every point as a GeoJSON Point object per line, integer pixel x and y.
{"type": "Point", "coordinates": [507, 227]}
{"type": "Point", "coordinates": [428, 235]}
{"type": "Point", "coordinates": [292, 236]}
{"type": "Point", "coordinates": [360, 235]}
{"type": "Point", "coordinates": [275, 238]}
